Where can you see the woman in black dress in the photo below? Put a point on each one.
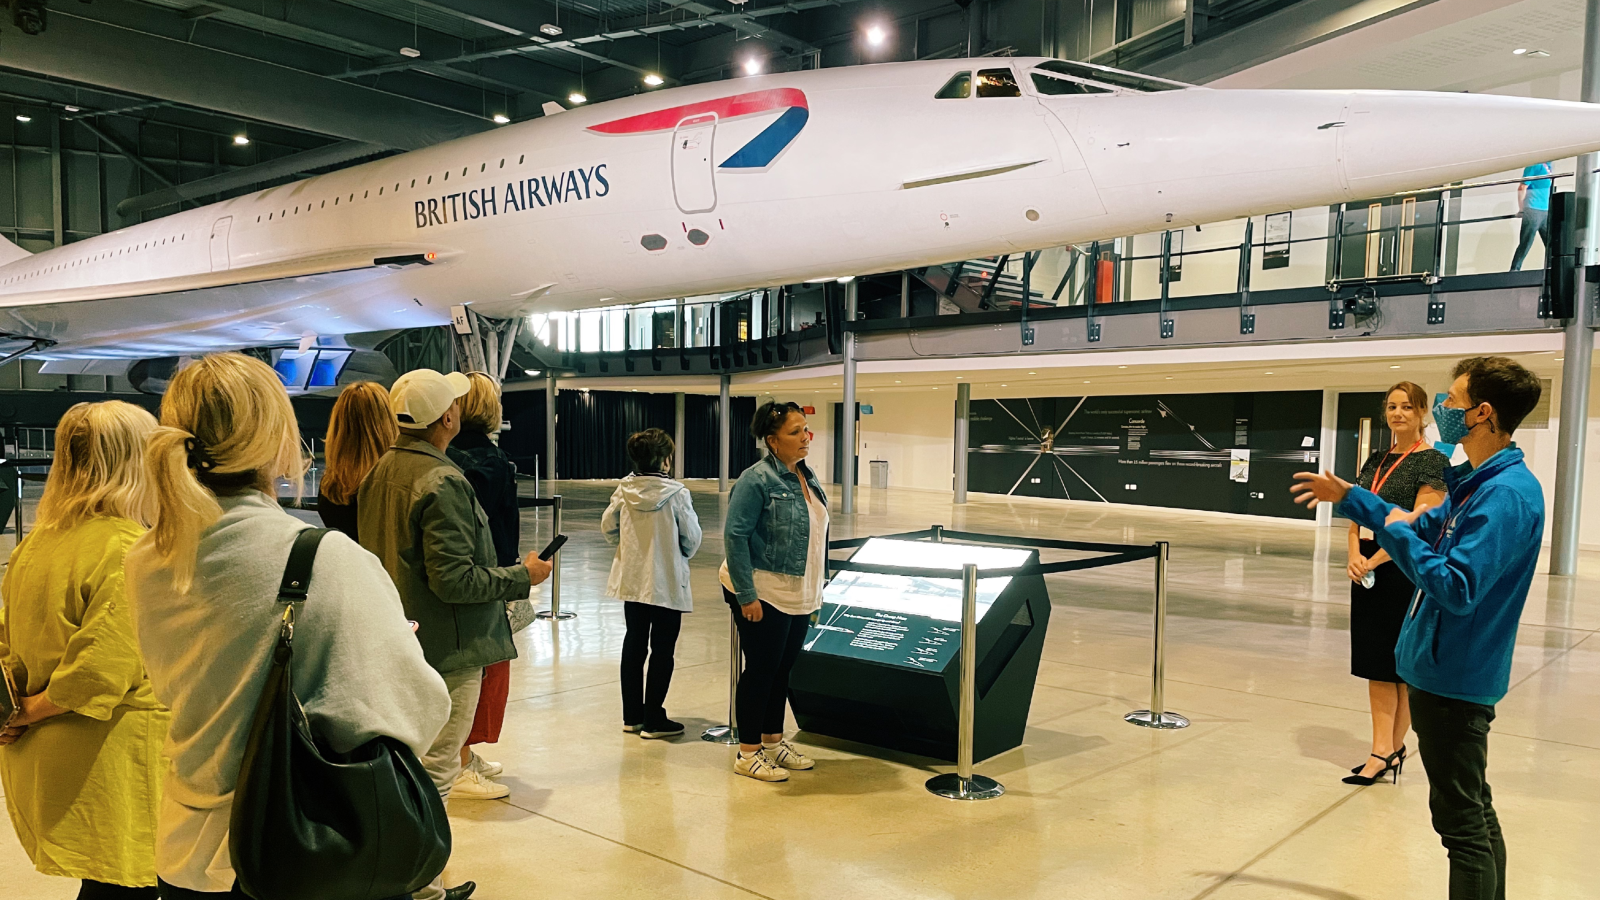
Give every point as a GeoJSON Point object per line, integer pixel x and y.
{"type": "Point", "coordinates": [1409, 474]}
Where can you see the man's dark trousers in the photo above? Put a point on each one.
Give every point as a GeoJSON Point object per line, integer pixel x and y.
{"type": "Point", "coordinates": [1453, 738]}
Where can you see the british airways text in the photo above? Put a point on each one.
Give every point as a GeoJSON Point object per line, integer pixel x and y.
{"type": "Point", "coordinates": [570, 186]}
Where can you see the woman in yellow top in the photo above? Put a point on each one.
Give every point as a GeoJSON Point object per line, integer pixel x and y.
{"type": "Point", "coordinates": [81, 762]}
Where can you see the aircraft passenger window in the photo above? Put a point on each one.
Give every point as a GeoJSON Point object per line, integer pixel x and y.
{"type": "Point", "coordinates": [959, 87]}
{"type": "Point", "coordinates": [336, 201]}
{"type": "Point", "coordinates": [521, 158]}
{"type": "Point", "coordinates": [997, 83]}
{"type": "Point", "coordinates": [502, 164]}
{"type": "Point", "coordinates": [430, 179]}
{"type": "Point", "coordinates": [483, 168]}
{"type": "Point", "coordinates": [380, 192]}
{"type": "Point", "coordinates": [413, 182]}
{"type": "Point", "coordinates": [447, 176]}
{"type": "Point", "coordinates": [1055, 87]}
{"type": "Point", "coordinates": [463, 171]}
{"type": "Point", "coordinates": [397, 187]}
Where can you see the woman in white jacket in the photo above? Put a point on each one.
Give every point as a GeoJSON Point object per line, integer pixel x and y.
{"type": "Point", "coordinates": [652, 523]}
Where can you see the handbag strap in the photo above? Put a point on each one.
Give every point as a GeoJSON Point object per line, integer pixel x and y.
{"type": "Point", "coordinates": [297, 572]}
{"type": "Point", "coordinates": [295, 585]}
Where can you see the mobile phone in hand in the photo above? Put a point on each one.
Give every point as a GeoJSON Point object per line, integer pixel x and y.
{"type": "Point", "coordinates": [553, 546]}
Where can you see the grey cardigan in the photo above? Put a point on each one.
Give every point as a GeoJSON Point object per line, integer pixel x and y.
{"type": "Point", "coordinates": [358, 670]}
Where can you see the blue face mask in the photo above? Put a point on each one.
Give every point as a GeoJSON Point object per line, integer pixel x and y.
{"type": "Point", "coordinates": [1452, 423]}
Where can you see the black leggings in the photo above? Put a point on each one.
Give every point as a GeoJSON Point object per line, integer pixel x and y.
{"type": "Point", "coordinates": [770, 648]}
{"type": "Point", "coordinates": [653, 632]}
{"type": "Point", "coordinates": [99, 890]}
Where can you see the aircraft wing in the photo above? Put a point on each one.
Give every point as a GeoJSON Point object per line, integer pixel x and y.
{"type": "Point", "coordinates": [340, 292]}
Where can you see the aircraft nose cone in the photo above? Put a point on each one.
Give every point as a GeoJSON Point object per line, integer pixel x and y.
{"type": "Point", "coordinates": [1395, 141]}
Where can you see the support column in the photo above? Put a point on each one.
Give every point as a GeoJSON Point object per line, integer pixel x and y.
{"type": "Point", "coordinates": [677, 436]}
{"type": "Point", "coordinates": [1579, 340]}
{"type": "Point", "coordinates": [550, 430]}
{"type": "Point", "coordinates": [963, 432]}
{"type": "Point", "coordinates": [58, 197]}
{"type": "Point", "coordinates": [905, 295]}
{"type": "Point", "coordinates": [724, 426]}
{"type": "Point", "coordinates": [847, 435]}
{"type": "Point", "coordinates": [1326, 441]}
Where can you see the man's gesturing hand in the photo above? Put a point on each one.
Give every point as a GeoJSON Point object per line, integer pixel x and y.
{"type": "Point", "coordinates": [1311, 488]}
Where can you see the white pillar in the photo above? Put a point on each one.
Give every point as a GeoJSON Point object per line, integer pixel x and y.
{"type": "Point", "coordinates": [1327, 440]}
{"type": "Point", "coordinates": [963, 437]}
{"type": "Point", "coordinates": [677, 435]}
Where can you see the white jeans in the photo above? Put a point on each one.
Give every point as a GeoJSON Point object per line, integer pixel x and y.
{"type": "Point", "coordinates": [443, 760]}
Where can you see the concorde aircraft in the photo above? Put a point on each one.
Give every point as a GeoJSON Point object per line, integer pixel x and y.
{"type": "Point", "coordinates": [753, 182]}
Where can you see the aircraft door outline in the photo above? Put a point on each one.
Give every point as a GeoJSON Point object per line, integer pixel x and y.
{"type": "Point", "coordinates": [220, 260]}
{"type": "Point", "coordinates": [694, 184]}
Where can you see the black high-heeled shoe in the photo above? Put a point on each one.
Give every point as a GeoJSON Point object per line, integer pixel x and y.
{"type": "Point", "coordinates": [1401, 751]}
{"type": "Point", "coordinates": [1391, 763]}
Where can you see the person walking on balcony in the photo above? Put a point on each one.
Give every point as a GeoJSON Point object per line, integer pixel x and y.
{"type": "Point", "coordinates": [1533, 199]}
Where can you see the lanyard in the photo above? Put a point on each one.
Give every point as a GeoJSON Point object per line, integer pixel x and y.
{"type": "Point", "coordinates": [1377, 484]}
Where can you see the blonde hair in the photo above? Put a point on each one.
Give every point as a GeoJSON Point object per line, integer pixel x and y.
{"type": "Point", "coordinates": [360, 429]}
{"type": "Point", "coordinates": [480, 408]}
{"type": "Point", "coordinates": [226, 427]}
{"type": "Point", "coordinates": [98, 467]}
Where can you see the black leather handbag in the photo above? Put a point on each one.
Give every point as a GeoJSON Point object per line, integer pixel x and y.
{"type": "Point", "coordinates": [311, 824]}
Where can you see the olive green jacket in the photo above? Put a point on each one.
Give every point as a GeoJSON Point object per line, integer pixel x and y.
{"type": "Point", "coordinates": [418, 515]}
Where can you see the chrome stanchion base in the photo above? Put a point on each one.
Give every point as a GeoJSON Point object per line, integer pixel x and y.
{"type": "Point", "coordinates": [720, 734]}
{"type": "Point", "coordinates": [952, 786]}
{"type": "Point", "coordinates": [1147, 719]}
{"type": "Point", "coordinates": [561, 616]}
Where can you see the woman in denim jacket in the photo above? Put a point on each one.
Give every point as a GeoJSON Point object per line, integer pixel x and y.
{"type": "Point", "coordinates": [776, 543]}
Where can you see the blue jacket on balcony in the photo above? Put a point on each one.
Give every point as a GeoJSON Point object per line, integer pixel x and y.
{"type": "Point", "coordinates": [1472, 559]}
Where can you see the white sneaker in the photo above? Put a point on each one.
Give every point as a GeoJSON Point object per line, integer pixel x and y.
{"type": "Point", "coordinates": [471, 785]}
{"type": "Point", "coordinates": [759, 767]}
{"type": "Point", "coordinates": [785, 756]}
{"type": "Point", "coordinates": [484, 767]}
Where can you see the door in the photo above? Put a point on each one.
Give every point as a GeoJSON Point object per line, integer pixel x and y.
{"type": "Point", "coordinates": [219, 244]}
{"type": "Point", "coordinates": [693, 172]}
{"type": "Point", "coordinates": [1362, 428]}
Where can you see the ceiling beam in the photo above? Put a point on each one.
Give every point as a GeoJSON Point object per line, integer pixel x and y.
{"type": "Point", "coordinates": [293, 164]}
{"type": "Point", "coordinates": [96, 53]}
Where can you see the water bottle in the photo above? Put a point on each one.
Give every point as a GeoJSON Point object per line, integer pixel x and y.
{"type": "Point", "coordinates": [1368, 580]}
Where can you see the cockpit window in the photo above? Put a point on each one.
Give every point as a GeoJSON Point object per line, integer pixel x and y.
{"type": "Point", "coordinates": [959, 87]}
{"type": "Point", "coordinates": [1055, 85]}
{"type": "Point", "coordinates": [997, 83]}
{"type": "Point", "coordinates": [1113, 77]}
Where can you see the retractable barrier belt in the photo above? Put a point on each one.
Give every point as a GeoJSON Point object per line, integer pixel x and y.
{"type": "Point", "coordinates": [535, 502]}
{"type": "Point", "coordinates": [1118, 554]}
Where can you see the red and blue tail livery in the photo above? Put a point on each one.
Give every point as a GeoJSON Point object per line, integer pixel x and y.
{"type": "Point", "coordinates": [761, 150]}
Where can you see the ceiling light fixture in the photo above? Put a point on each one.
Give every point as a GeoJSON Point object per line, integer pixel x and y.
{"type": "Point", "coordinates": [752, 66]}
{"type": "Point", "coordinates": [1394, 367]}
{"type": "Point", "coordinates": [72, 109]}
{"type": "Point", "coordinates": [576, 97]}
{"type": "Point", "coordinates": [410, 52]}
{"type": "Point", "coordinates": [530, 372]}
{"type": "Point", "coordinates": [551, 30]}
{"type": "Point", "coordinates": [875, 35]}
{"type": "Point", "coordinates": [22, 118]}
{"type": "Point", "coordinates": [654, 80]}
{"type": "Point", "coordinates": [240, 140]}
{"type": "Point", "coordinates": [501, 119]}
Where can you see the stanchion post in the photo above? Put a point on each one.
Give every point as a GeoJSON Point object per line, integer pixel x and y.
{"type": "Point", "coordinates": [1157, 716]}
{"type": "Point", "coordinates": [729, 733]}
{"type": "Point", "coordinates": [962, 784]}
{"type": "Point", "coordinates": [938, 534]}
{"type": "Point", "coordinates": [555, 612]}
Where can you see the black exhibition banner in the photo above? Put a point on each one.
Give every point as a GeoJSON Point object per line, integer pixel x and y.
{"type": "Point", "coordinates": [1224, 452]}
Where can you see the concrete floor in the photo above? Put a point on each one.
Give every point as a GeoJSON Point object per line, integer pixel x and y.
{"type": "Point", "coordinates": [1246, 803]}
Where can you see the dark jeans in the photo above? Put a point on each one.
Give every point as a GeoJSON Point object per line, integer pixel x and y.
{"type": "Point", "coordinates": [652, 631]}
{"type": "Point", "coordinates": [1534, 221]}
{"type": "Point", "coordinates": [770, 648]}
{"type": "Point", "coordinates": [1453, 738]}
{"type": "Point", "coordinates": [99, 890]}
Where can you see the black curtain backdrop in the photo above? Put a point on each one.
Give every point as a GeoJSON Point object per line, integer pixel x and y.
{"type": "Point", "coordinates": [592, 429]}
{"type": "Point", "coordinates": [700, 414]}
{"type": "Point", "coordinates": [524, 443]}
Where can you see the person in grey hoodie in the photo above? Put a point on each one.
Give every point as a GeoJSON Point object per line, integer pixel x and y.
{"type": "Point", "coordinates": [652, 523]}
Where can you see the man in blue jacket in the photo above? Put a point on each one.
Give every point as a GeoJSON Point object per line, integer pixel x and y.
{"type": "Point", "coordinates": [1472, 559]}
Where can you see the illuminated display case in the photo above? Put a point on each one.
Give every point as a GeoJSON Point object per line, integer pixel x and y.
{"type": "Point", "coordinates": [881, 661]}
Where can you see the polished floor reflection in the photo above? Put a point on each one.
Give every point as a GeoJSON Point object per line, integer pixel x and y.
{"type": "Point", "coordinates": [1246, 803]}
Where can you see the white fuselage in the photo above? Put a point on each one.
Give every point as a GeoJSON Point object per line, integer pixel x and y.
{"type": "Point", "coordinates": [881, 176]}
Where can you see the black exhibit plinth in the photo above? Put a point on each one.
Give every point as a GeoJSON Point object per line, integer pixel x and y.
{"type": "Point", "coordinates": [877, 671]}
